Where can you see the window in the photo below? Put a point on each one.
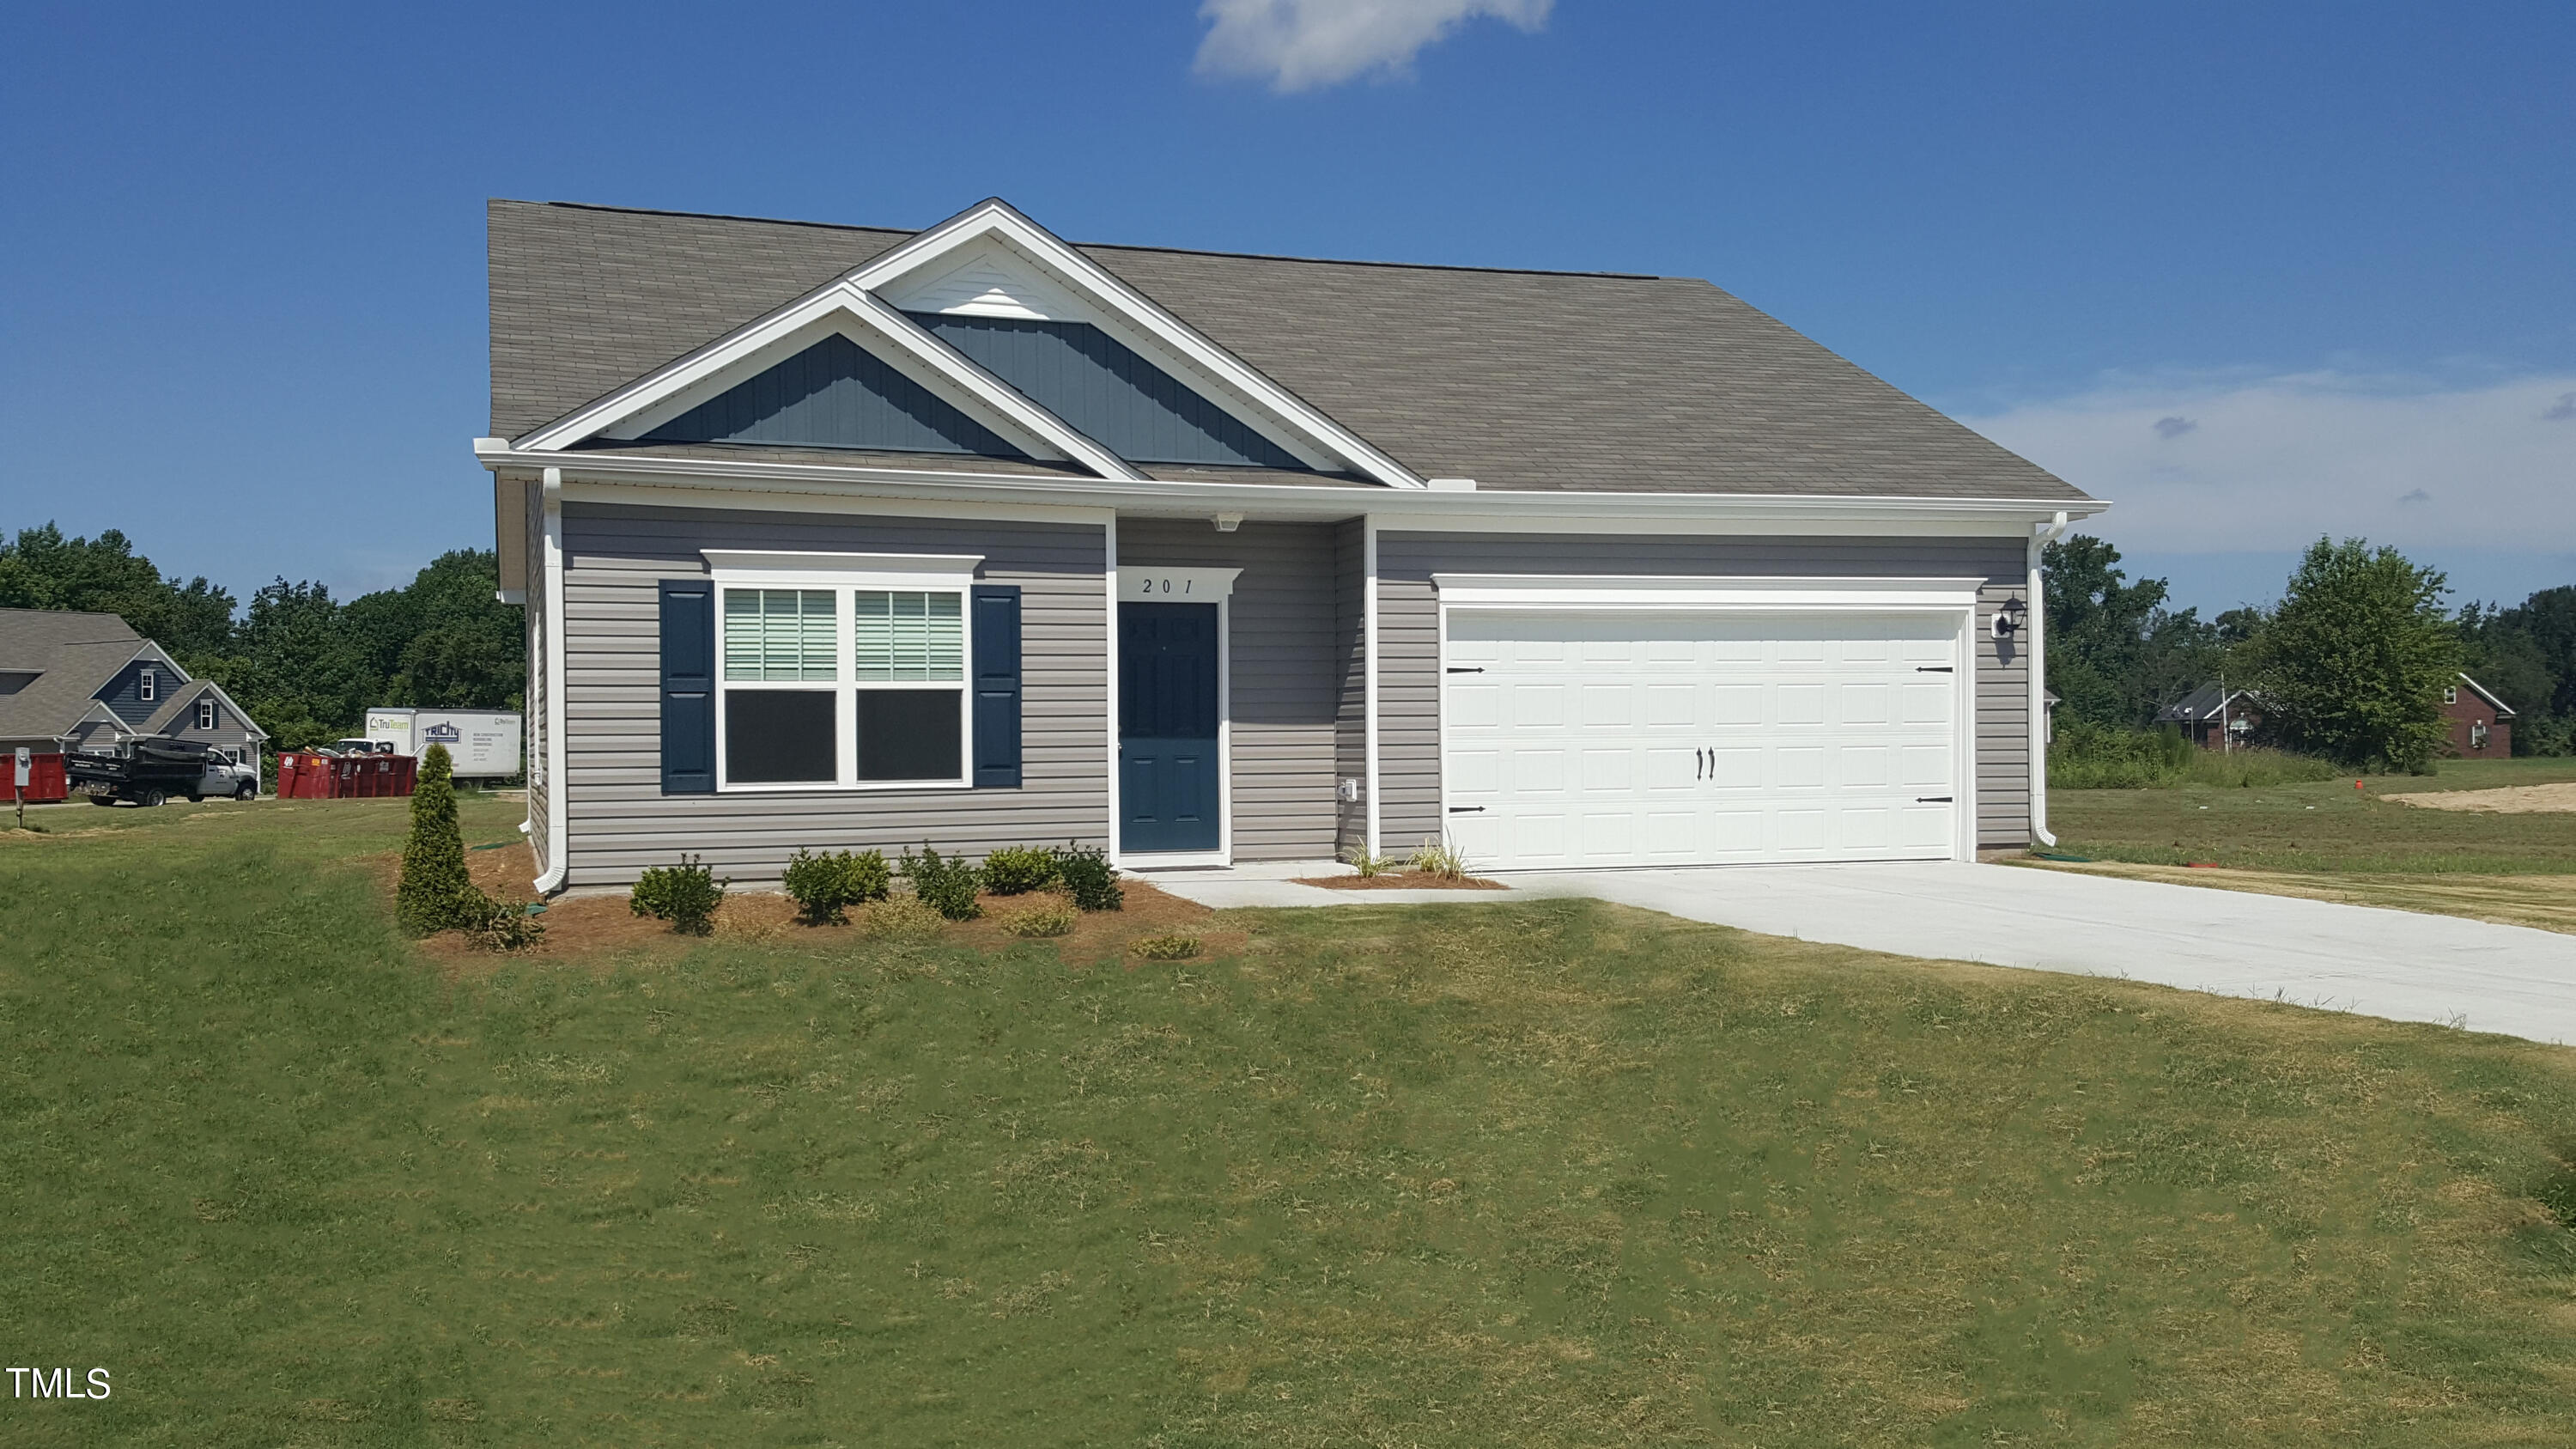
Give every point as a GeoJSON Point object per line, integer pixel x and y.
{"type": "Point", "coordinates": [2450, 694]}
{"type": "Point", "coordinates": [148, 686]}
{"type": "Point", "coordinates": [2478, 734]}
{"type": "Point", "coordinates": [205, 714]}
{"type": "Point", "coordinates": [835, 674]}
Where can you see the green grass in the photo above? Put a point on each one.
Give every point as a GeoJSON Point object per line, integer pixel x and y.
{"type": "Point", "coordinates": [2326, 827]}
{"type": "Point", "coordinates": [1531, 1175]}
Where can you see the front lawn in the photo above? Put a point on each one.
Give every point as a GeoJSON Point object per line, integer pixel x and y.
{"type": "Point", "coordinates": [1477, 1174]}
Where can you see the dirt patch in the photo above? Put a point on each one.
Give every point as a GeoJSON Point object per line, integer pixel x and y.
{"type": "Point", "coordinates": [2511, 800]}
{"type": "Point", "coordinates": [1403, 880]}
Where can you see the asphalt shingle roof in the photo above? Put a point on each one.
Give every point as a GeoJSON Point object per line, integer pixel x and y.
{"type": "Point", "coordinates": [72, 655]}
{"type": "Point", "coordinates": [1520, 380]}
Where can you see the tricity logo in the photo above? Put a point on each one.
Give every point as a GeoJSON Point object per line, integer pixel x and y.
{"type": "Point", "coordinates": [56, 1383]}
{"type": "Point", "coordinates": [445, 733]}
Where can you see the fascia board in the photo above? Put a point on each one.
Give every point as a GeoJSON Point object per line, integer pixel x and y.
{"type": "Point", "coordinates": [1423, 511]}
{"type": "Point", "coordinates": [2502, 709]}
{"type": "Point", "coordinates": [1664, 592]}
{"type": "Point", "coordinates": [1098, 286]}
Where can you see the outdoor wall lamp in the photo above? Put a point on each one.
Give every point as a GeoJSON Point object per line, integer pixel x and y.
{"type": "Point", "coordinates": [2009, 617]}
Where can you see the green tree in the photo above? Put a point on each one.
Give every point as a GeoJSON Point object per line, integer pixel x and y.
{"type": "Point", "coordinates": [444, 641]}
{"type": "Point", "coordinates": [434, 889]}
{"type": "Point", "coordinates": [2354, 659]}
{"type": "Point", "coordinates": [41, 569]}
{"type": "Point", "coordinates": [2116, 653]}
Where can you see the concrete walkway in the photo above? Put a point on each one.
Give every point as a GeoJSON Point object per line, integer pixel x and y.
{"type": "Point", "coordinates": [2401, 965]}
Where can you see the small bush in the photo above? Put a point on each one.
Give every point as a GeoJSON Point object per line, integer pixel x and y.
{"type": "Point", "coordinates": [824, 886]}
{"type": "Point", "coordinates": [686, 895]}
{"type": "Point", "coordinates": [1439, 856]}
{"type": "Point", "coordinates": [1047, 916]}
{"type": "Point", "coordinates": [899, 918]}
{"type": "Point", "coordinates": [946, 884]}
{"type": "Point", "coordinates": [1019, 869]}
{"type": "Point", "coordinates": [1171, 946]}
{"type": "Point", "coordinates": [1085, 873]}
{"type": "Point", "coordinates": [498, 925]}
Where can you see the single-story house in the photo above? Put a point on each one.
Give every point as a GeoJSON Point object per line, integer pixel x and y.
{"type": "Point", "coordinates": [2481, 724]}
{"type": "Point", "coordinates": [76, 681]}
{"type": "Point", "coordinates": [2214, 715]}
{"type": "Point", "coordinates": [849, 537]}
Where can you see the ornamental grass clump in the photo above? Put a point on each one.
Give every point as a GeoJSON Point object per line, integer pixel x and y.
{"type": "Point", "coordinates": [1016, 870]}
{"type": "Point", "coordinates": [945, 883]}
{"type": "Point", "coordinates": [899, 918]}
{"type": "Point", "coordinates": [825, 885]}
{"type": "Point", "coordinates": [433, 893]}
{"type": "Point", "coordinates": [686, 895]}
{"type": "Point", "coordinates": [1440, 857]}
{"type": "Point", "coordinates": [1084, 873]}
{"type": "Point", "coordinates": [1170, 946]}
{"type": "Point", "coordinates": [1045, 917]}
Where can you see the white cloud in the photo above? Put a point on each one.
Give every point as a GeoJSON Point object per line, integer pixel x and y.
{"type": "Point", "coordinates": [1299, 45]}
{"type": "Point", "coordinates": [2270, 463]}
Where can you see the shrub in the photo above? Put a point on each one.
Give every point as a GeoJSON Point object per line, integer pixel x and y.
{"type": "Point", "coordinates": [2246, 767]}
{"type": "Point", "coordinates": [1046, 916]}
{"type": "Point", "coordinates": [686, 895]}
{"type": "Point", "coordinates": [2091, 757]}
{"type": "Point", "coordinates": [946, 884]}
{"type": "Point", "coordinates": [1439, 856]}
{"type": "Point", "coordinates": [899, 918]}
{"type": "Point", "coordinates": [433, 892]}
{"type": "Point", "coordinates": [824, 886]}
{"type": "Point", "coordinates": [499, 925]}
{"type": "Point", "coordinates": [1171, 946]}
{"type": "Point", "coordinates": [1085, 873]}
{"type": "Point", "coordinates": [1019, 869]}
{"type": "Point", "coordinates": [1370, 866]}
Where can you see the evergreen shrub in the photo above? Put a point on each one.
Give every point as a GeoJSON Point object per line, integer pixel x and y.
{"type": "Point", "coordinates": [433, 893]}
{"type": "Point", "coordinates": [945, 883]}
{"type": "Point", "coordinates": [686, 895]}
{"type": "Point", "coordinates": [1085, 874]}
{"type": "Point", "coordinates": [825, 885]}
{"type": "Point", "coordinates": [1017, 870]}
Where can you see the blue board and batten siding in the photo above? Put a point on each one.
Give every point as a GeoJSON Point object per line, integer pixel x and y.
{"type": "Point", "coordinates": [1108, 392]}
{"type": "Point", "coordinates": [619, 820]}
{"type": "Point", "coordinates": [835, 394]}
{"type": "Point", "coordinates": [123, 694]}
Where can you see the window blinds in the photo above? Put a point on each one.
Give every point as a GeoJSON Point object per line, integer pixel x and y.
{"type": "Point", "coordinates": [778, 634]}
{"type": "Point", "coordinates": [904, 635]}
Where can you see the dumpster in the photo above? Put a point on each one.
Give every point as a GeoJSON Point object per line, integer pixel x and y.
{"type": "Point", "coordinates": [45, 780]}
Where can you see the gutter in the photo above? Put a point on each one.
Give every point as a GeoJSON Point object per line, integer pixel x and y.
{"type": "Point", "coordinates": [558, 830]}
{"type": "Point", "coordinates": [2041, 535]}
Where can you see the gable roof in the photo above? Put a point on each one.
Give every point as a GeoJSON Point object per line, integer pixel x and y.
{"type": "Point", "coordinates": [1520, 380]}
{"type": "Point", "coordinates": [2502, 709]}
{"type": "Point", "coordinates": [175, 709]}
{"type": "Point", "coordinates": [73, 654]}
{"type": "Point", "coordinates": [2204, 703]}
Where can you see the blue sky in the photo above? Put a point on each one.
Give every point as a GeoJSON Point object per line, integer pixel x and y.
{"type": "Point", "coordinates": [2256, 272]}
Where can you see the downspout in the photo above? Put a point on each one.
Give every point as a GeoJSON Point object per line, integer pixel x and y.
{"type": "Point", "coordinates": [558, 833]}
{"type": "Point", "coordinates": [2041, 535]}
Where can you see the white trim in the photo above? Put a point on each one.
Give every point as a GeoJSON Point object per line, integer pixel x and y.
{"type": "Point", "coordinates": [1636, 591]}
{"type": "Point", "coordinates": [2502, 709]}
{"type": "Point", "coordinates": [2035, 749]}
{"type": "Point", "coordinates": [1095, 285]}
{"type": "Point", "coordinates": [1109, 660]}
{"type": "Point", "coordinates": [751, 497]}
{"type": "Point", "coordinates": [1499, 593]}
{"type": "Point", "coordinates": [1152, 860]}
{"type": "Point", "coordinates": [1140, 584]}
{"type": "Point", "coordinates": [1368, 664]}
{"type": "Point", "coordinates": [558, 869]}
{"type": "Point", "coordinates": [882, 570]}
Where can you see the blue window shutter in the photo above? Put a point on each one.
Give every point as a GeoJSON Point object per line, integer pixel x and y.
{"type": "Point", "coordinates": [997, 686]}
{"type": "Point", "coordinates": [688, 687]}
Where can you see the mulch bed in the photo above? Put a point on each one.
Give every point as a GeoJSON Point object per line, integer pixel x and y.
{"type": "Point", "coordinates": [597, 926]}
{"type": "Point", "coordinates": [1403, 880]}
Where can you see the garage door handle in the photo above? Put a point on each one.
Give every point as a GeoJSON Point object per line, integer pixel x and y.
{"type": "Point", "coordinates": [1466, 809]}
{"type": "Point", "coordinates": [1934, 669]}
{"type": "Point", "coordinates": [1465, 669]}
{"type": "Point", "coordinates": [1932, 800]}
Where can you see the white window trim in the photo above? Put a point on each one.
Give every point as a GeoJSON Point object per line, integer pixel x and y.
{"type": "Point", "coordinates": [1138, 584]}
{"type": "Point", "coordinates": [147, 686]}
{"type": "Point", "coordinates": [205, 714]}
{"type": "Point", "coordinates": [1956, 598]}
{"type": "Point", "coordinates": [845, 575]}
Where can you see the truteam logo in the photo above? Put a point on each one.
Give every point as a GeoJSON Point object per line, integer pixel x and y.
{"type": "Point", "coordinates": [56, 1383]}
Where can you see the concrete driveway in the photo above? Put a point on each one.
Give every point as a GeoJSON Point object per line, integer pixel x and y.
{"type": "Point", "coordinates": [2396, 964]}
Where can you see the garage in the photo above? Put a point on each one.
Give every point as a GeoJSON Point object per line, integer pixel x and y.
{"type": "Point", "coordinates": [1643, 734]}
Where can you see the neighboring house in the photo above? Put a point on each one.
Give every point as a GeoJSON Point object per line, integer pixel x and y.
{"type": "Point", "coordinates": [2212, 716]}
{"type": "Point", "coordinates": [87, 681]}
{"type": "Point", "coordinates": [2481, 724]}
{"type": "Point", "coordinates": [844, 537]}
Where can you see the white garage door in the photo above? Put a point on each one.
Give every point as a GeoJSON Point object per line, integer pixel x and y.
{"type": "Point", "coordinates": [1615, 739]}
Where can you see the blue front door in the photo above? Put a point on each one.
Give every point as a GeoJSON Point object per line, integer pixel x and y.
{"type": "Point", "coordinates": [1167, 776]}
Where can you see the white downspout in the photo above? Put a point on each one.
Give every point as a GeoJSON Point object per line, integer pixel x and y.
{"type": "Point", "coordinates": [1368, 676]}
{"type": "Point", "coordinates": [2041, 535]}
{"type": "Point", "coordinates": [558, 831]}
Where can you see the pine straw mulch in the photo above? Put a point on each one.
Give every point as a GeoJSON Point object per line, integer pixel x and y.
{"type": "Point", "coordinates": [602, 927]}
{"type": "Point", "coordinates": [1403, 880]}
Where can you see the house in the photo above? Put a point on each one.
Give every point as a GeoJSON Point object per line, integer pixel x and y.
{"type": "Point", "coordinates": [2481, 724]}
{"type": "Point", "coordinates": [73, 681]}
{"type": "Point", "coordinates": [2214, 716]}
{"type": "Point", "coordinates": [848, 537]}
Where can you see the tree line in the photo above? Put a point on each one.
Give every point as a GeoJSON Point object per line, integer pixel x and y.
{"type": "Point", "coordinates": [305, 665]}
{"type": "Point", "coordinates": [2350, 664]}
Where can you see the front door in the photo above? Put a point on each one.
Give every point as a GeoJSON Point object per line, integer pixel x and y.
{"type": "Point", "coordinates": [1167, 711]}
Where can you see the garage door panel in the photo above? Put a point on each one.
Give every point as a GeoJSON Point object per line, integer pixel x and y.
{"type": "Point", "coordinates": [1612, 739]}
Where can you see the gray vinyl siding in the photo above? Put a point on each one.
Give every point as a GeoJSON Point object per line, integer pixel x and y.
{"type": "Point", "coordinates": [1409, 641]}
{"type": "Point", "coordinates": [1284, 692]}
{"type": "Point", "coordinates": [618, 819]}
{"type": "Point", "coordinates": [1350, 662]}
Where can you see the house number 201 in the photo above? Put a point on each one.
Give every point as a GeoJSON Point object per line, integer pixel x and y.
{"type": "Point", "coordinates": [1163, 586]}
